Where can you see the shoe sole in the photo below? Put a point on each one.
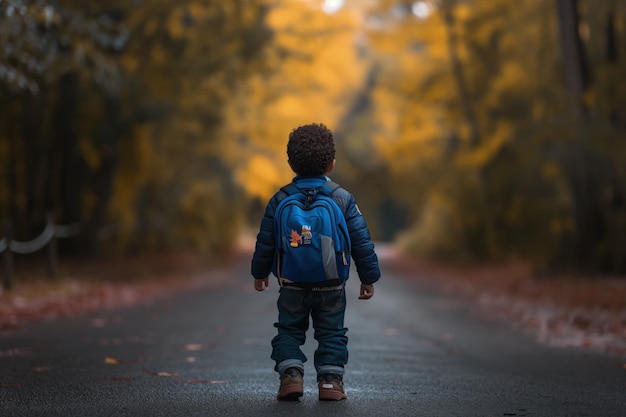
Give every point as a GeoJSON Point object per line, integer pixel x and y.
{"type": "Point", "coordinates": [332, 396]}
{"type": "Point", "coordinates": [290, 393]}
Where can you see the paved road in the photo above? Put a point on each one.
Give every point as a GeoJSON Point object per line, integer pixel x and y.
{"type": "Point", "coordinates": [206, 353]}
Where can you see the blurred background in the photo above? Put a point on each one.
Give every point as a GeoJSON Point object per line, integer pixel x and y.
{"type": "Point", "coordinates": [468, 130]}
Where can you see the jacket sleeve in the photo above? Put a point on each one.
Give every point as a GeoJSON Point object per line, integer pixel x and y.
{"type": "Point", "coordinates": [363, 254]}
{"type": "Point", "coordinates": [265, 250]}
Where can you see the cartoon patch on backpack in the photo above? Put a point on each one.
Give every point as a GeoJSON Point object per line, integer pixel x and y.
{"type": "Point", "coordinates": [305, 238]}
{"type": "Point", "coordinates": [296, 239]}
{"type": "Point", "coordinates": [306, 234]}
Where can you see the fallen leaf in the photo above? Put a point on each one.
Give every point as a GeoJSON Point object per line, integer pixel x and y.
{"type": "Point", "coordinates": [193, 346]}
{"type": "Point", "coordinates": [15, 352]}
{"type": "Point", "coordinates": [167, 374]}
{"type": "Point", "coordinates": [111, 361]}
{"type": "Point", "coordinates": [42, 369]}
{"type": "Point", "coordinates": [198, 381]}
{"type": "Point", "coordinates": [189, 359]}
{"type": "Point", "coordinates": [206, 381]}
{"type": "Point", "coordinates": [10, 384]}
{"type": "Point", "coordinates": [172, 374]}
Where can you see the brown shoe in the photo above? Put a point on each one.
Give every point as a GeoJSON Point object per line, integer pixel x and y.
{"type": "Point", "coordinates": [291, 385]}
{"type": "Point", "coordinates": [331, 387]}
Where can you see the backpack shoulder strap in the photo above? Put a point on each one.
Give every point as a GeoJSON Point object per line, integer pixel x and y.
{"type": "Point", "coordinates": [329, 187]}
{"type": "Point", "coordinates": [290, 189]}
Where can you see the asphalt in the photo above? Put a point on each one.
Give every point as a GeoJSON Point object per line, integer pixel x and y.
{"type": "Point", "coordinates": [413, 352]}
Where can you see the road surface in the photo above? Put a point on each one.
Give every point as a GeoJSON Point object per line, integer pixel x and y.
{"type": "Point", "coordinates": [206, 352]}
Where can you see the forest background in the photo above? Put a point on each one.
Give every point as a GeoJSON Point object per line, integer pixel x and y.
{"type": "Point", "coordinates": [468, 130]}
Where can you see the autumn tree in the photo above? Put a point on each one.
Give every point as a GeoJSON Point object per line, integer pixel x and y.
{"type": "Point", "coordinates": [188, 65]}
{"type": "Point", "coordinates": [138, 165]}
{"type": "Point", "coordinates": [315, 73]}
{"type": "Point", "coordinates": [482, 130]}
{"type": "Point", "coordinates": [507, 173]}
{"type": "Point", "coordinates": [49, 53]}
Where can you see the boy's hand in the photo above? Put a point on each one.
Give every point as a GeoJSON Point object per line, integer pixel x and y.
{"type": "Point", "coordinates": [367, 291]}
{"type": "Point", "coordinates": [261, 284]}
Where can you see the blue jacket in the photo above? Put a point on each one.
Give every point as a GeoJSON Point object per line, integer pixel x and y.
{"type": "Point", "coordinates": [363, 254]}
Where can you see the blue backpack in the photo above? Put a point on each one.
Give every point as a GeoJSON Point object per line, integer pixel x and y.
{"type": "Point", "coordinates": [312, 240]}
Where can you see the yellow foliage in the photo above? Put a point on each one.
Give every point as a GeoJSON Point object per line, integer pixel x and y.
{"type": "Point", "coordinates": [387, 118]}
{"type": "Point", "coordinates": [515, 211]}
{"type": "Point", "coordinates": [589, 98]}
{"type": "Point", "coordinates": [130, 63]}
{"type": "Point", "coordinates": [213, 227]}
{"type": "Point", "coordinates": [89, 153]}
{"type": "Point", "coordinates": [175, 23]}
{"type": "Point", "coordinates": [159, 55]}
{"type": "Point", "coordinates": [556, 227]}
{"type": "Point", "coordinates": [392, 92]}
{"type": "Point", "coordinates": [463, 11]}
{"type": "Point", "coordinates": [259, 177]}
{"type": "Point", "coordinates": [550, 170]}
{"type": "Point", "coordinates": [135, 168]}
{"type": "Point", "coordinates": [314, 82]}
{"type": "Point", "coordinates": [513, 76]}
{"type": "Point", "coordinates": [288, 107]}
{"type": "Point", "coordinates": [538, 110]}
{"type": "Point", "coordinates": [198, 10]}
{"type": "Point", "coordinates": [150, 27]}
{"type": "Point", "coordinates": [431, 235]}
{"type": "Point", "coordinates": [479, 156]}
{"type": "Point", "coordinates": [439, 51]}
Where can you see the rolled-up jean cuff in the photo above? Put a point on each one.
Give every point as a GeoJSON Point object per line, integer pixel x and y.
{"type": "Point", "coordinates": [281, 367]}
{"type": "Point", "coordinates": [330, 369]}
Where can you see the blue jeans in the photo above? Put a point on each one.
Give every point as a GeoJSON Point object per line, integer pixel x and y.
{"type": "Point", "coordinates": [327, 310]}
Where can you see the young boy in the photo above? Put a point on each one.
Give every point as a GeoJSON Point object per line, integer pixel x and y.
{"type": "Point", "coordinates": [311, 153]}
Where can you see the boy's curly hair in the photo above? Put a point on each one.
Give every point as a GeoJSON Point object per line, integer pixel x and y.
{"type": "Point", "coordinates": [310, 149]}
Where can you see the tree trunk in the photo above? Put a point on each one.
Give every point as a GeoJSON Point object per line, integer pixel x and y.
{"type": "Point", "coordinates": [35, 162]}
{"type": "Point", "coordinates": [458, 73]}
{"type": "Point", "coordinates": [573, 56]}
{"type": "Point", "coordinates": [65, 181]}
{"type": "Point", "coordinates": [578, 160]}
{"type": "Point", "coordinates": [612, 59]}
{"type": "Point", "coordinates": [12, 172]}
{"type": "Point", "coordinates": [487, 231]}
{"type": "Point", "coordinates": [105, 178]}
